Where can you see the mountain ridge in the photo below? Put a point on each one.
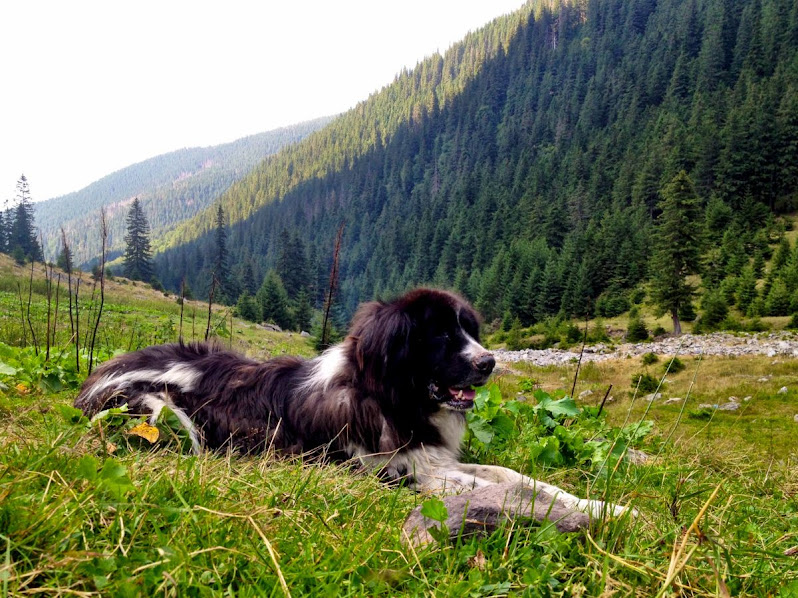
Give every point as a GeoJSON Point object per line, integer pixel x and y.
{"type": "Point", "coordinates": [172, 186]}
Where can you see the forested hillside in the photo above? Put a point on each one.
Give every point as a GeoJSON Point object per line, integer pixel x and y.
{"type": "Point", "coordinates": [525, 166]}
{"type": "Point", "coordinates": [172, 187]}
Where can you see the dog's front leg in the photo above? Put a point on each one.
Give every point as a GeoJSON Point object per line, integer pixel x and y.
{"type": "Point", "coordinates": [477, 476]}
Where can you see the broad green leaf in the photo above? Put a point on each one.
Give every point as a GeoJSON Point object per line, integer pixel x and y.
{"type": "Point", "coordinates": [550, 453]}
{"type": "Point", "coordinates": [7, 369]}
{"type": "Point", "coordinates": [481, 430]}
{"type": "Point", "coordinates": [51, 382]}
{"type": "Point", "coordinates": [434, 508]}
{"type": "Point", "coordinates": [71, 414]}
{"type": "Point", "coordinates": [503, 426]}
{"type": "Point", "coordinates": [87, 468]}
{"type": "Point", "coordinates": [113, 477]}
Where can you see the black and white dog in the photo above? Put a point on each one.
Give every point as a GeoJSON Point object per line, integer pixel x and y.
{"type": "Point", "coordinates": [392, 395]}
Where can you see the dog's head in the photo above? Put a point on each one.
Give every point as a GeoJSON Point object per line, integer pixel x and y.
{"type": "Point", "coordinates": [424, 344]}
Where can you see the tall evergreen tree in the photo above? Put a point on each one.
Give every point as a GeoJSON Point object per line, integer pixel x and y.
{"type": "Point", "coordinates": [273, 301]}
{"type": "Point", "coordinates": [292, 264]}
{"type": "Point", "coordinates": [138, 255]}
{"type": "Point", "coordinates": [677, 247]}
{"type": "Point", "coordinates": [3, 233]}
{"type": "Point", "coordinates": [21, 229]}
{"type": "Point", "coordinates": [221, 265]}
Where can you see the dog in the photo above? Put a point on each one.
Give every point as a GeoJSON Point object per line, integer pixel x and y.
{"type": "Point", "coordinates": [391, 396]}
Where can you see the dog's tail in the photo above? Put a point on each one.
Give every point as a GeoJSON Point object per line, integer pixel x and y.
{"type": "Point", "coordinates": [139, 379]}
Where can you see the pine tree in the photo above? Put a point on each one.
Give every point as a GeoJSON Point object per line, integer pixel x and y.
{"type": "Point", "coordinates": [3, 234]}
{"type": "Point", "coordinates": [777, 302]}
{"type": "Point", "coordinates": [221, 267]}
{"type": "Point", "coordinates": [746, 289]}
{"type": "Point", "coordinates": [273, 301]}
{"type": "Point", "coordinates": [678, 247]}
{"type": "Point", "coordinates": [248, 308]}
{"type": "Point", "coordinates": [22, 230]}
{"type": "Point", "coordinates": [64, 259]}
{"type": "Point", "coordinates": [138, 255]}
{"type": "Point", "coordinates": [303, 311]}
{"type": "Point", "coordinates": [292, 264]}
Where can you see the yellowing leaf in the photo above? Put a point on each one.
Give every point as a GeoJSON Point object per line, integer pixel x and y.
{"type": "Point", "coordinates": [22, 389]}
{"type": "Point", "coordinates": [146, 431]}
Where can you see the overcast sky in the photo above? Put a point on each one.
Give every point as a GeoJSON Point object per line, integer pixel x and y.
{"type": "Point", "coordinates": [92, 87]}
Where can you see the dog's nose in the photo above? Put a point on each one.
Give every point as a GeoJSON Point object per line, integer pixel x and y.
{"type": "Point", "coordinates": [484, 363]}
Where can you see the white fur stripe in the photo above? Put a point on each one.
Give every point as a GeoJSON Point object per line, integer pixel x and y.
{"type": "Point", "coordinates": [473, 349]}
{"type": "Point", "coordinates": [156, 403]}
{"type": "Point", "coordinates": [325, 368]}
{"type": "Point", "coordinates": [182, 377]}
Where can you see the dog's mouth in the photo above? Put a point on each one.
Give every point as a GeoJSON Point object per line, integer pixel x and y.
{"type": "Point", "coordinates": [455, 398]}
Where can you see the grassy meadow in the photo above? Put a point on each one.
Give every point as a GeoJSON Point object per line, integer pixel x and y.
{"type": "Point", "coordinates": [98, 510]}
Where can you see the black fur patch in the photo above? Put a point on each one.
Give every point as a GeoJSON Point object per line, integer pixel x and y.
{"type": "Point", "coordinates": [369, 394]}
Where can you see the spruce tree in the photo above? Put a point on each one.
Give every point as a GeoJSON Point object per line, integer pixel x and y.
{"type": "Point", "coordinates": [292, 264]}
{"type": "Point", "coordinates": [677, 247]}
{"type": "Point", "coordinates": [273, 301]}
{"type": "Point", "coordinates": [247, 307]}
{"type": "Point", "coordinates": [221, 264]}
{"type": "Point", "coordinates": [138, 255]}
{"type": "Point", "coordinates": [21, 230]}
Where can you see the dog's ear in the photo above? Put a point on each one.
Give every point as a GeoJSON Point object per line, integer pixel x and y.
{"type": "Point", "coordinates": [380, 335]}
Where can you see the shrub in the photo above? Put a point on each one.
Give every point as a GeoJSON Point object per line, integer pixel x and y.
{"type": "Point", "coordinates": [637, 331]}
{"type": "Point", "coordinates": [514, 336]}
{"type": "Point", "coordinates": [658, 331]}
{"type": "Point", "coordinates": [756, 325]}
{"type": "Point", "coordinates": [637, 296]}
{"type": "Point", "coordinates": [644, 383]}
{"type": "Point", "coordinates": [649, 358]}
{"type": "Point", "coordinates": [611, 304]}
{"type": "Point", "coordinates": [573, 334]}
{"type": "Point", "coordinates": [715, 309]}
{"type": "Point", "coordinates": [247, 308]}
{"type": "Point", "coordinates": [731, 323]}
{"type": "Point", "coordinates": [673, 366]}
{"type": "Point", "coordinates": [598, 334]}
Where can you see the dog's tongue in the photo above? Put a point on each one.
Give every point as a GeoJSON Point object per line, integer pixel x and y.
{"type": "Point", "coordinates": [463, 394]}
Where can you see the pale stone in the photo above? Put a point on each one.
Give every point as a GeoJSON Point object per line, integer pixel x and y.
{"type": "Point", "coordinates": [485, 509]}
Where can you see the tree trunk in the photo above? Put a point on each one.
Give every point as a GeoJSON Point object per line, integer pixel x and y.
{"type": "Point", "coordinates": [677, 325]}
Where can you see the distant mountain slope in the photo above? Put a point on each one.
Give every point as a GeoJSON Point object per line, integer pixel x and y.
{"type": "Point", "coordinates": [435, 82]}
{"type": "Point", "coordinates": [172, 187]}
{"type": "Point", "coordinates": [524, 167]}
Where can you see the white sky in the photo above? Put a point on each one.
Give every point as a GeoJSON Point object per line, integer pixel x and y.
{"type": "Point", "coordinates": [92, 87]}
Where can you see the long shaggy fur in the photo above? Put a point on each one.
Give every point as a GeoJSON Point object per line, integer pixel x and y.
{"type": "Point", "coordinates": [370, 395]}
{"type": "Point", "coordinates": [392, 395]}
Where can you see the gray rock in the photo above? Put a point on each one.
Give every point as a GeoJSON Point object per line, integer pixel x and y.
{"type": "Point", "coordinates": [483, 510]}
{"type": "Point", "coordinates": [729, 407]}
{"type": "Point", "coordinates": [764, 379]}
{"type": "Point", "coordinates": [707, 406]}
{"type": "Point", "coordinates": [748, 398]}
{"type": "Point", "coordinates": [636, 457]}
{"type": "Point", "coordinates": [734, 400]}
{"type": "Point", "coordinates": [272, 327]}
{"type": "Point", "coordinates": [585, 393]}
{"type": "Point", "coordinates": [304, 333]}
{"type": "Point", "coordinates": [795, 418]}
{"type": "Point", "coordinates": [653, 396]}
{"type": "Point", "coordinates": [673, 400]}
{"type": "Point", "coordinates": [784, 390]}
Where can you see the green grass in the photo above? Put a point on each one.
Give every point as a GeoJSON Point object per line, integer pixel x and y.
{"type": "Point", "coordinates": [88, 511]}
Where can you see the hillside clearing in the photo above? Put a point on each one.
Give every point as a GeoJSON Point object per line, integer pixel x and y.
{"type": "Point", "coordinates": [98, 511]}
